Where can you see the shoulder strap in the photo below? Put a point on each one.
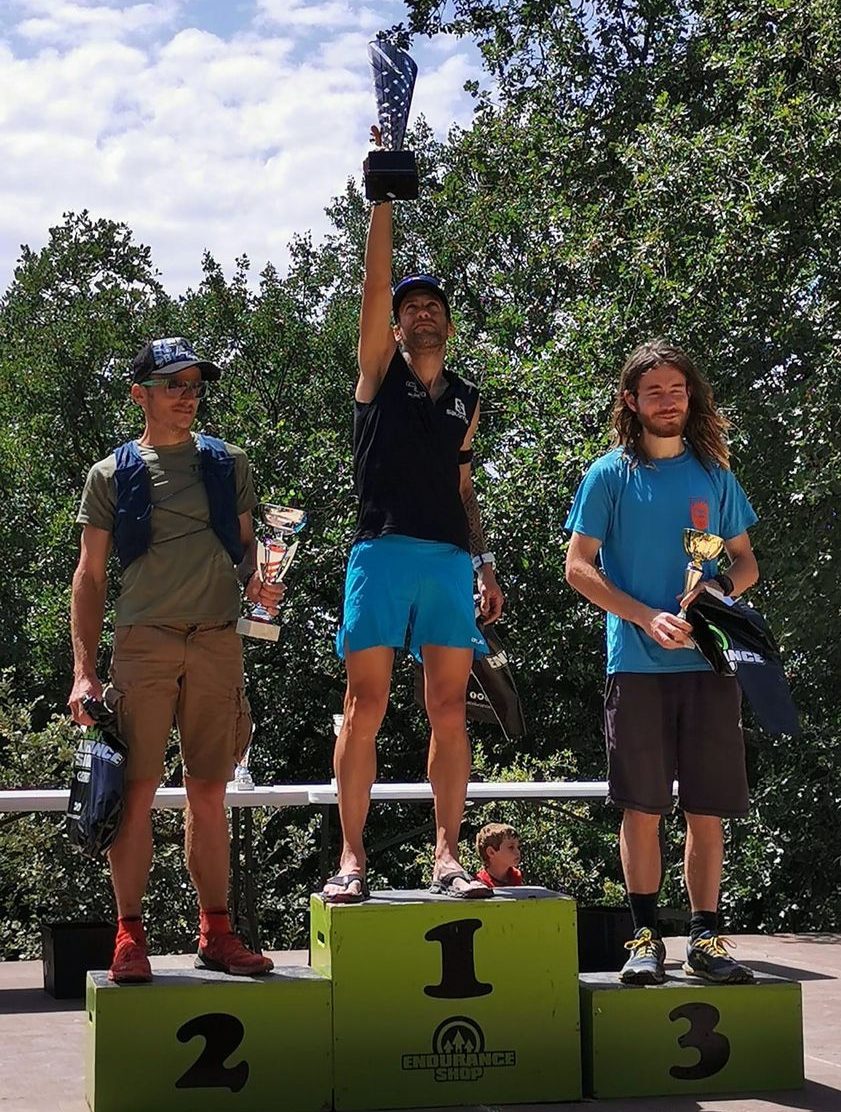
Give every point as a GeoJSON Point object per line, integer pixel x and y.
{"type": "Point", "coordinates": [218, 472]}
{"type": "Point", "coordinates": [133, 512]}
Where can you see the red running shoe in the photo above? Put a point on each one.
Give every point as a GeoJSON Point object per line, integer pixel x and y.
{"type": "Point", "coordinates": [130, 964]}
{"type": "Point", "coordinates": [226, 953]}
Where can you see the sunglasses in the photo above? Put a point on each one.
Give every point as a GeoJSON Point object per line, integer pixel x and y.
{"type": "Point", "coordinates": [178, 389]}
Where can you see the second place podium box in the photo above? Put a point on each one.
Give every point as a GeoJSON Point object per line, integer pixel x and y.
{"type": "Point", "coordinates": [196, 1041]}
{"type": "Point", "coordinates": [443, 1002]}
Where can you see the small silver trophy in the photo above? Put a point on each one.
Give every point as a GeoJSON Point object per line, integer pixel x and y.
{"type": "Point", "coordinates": [700, 547]}
{"type": "Point", "coordinates": [391, 173]}
{"type": "Point", "coordinates": [275, 554]}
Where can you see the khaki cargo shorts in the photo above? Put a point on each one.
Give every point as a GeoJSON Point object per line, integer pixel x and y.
{"type": "Point", "coordinates": [187, 675]}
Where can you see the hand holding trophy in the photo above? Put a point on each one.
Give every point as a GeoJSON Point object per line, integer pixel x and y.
{"type": "Point", "coordinates": [391, 174]}
{"type": "Point", "coordinates": [275, 553]}
{"type": "Point", "coordinates": [699, 547]}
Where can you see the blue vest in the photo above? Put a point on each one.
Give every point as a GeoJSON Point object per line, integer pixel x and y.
{"type": "Point", "coordinates": [133, 516]}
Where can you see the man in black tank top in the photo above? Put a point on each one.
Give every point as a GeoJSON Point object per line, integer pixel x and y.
{"type": "Point", "coordinates": [417, 542]}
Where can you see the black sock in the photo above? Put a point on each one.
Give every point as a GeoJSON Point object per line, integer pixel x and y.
{"type": "Point", "coordinates": [644, 910]}
{"type": "Point", "coordinates": [701, 921]}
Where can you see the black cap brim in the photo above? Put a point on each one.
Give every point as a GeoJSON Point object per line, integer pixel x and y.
{"type": "Point", "coordinates": [403, 291]}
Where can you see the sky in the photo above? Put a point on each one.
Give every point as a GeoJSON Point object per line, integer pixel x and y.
{"type": "Point", "coordinates": [225, 125]}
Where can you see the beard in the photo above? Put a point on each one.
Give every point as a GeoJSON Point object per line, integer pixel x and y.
{"type": "Point", "coordinates": [665, 427]}
{"type": "Point", "coordinates": [425, 337]}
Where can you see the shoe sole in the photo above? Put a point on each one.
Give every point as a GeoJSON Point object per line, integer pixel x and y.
{"type": "Point", "coordinates": [738, 979]}
{"type": "Point", "coordinates": [640, 980]}
{"type": "Point", "coordinates": [220, 967]}
{"type": "Point", "coordinates": [137, 980]}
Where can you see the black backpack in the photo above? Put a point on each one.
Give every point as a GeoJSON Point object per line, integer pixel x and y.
{"type": "Point", "coordinates": [737, 641]}
{"type": "Point", "coordinates": [96, 790]}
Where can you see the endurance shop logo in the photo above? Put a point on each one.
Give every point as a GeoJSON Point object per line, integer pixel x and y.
{"type": "Point", "coordinates": [459, 1053]}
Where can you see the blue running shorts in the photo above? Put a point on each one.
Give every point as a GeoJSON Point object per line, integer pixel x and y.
{"type": "Point", "coordinates": [404, 593]}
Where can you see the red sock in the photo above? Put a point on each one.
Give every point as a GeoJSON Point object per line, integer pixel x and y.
{"type": "Point", "coordinates": [130, 927]}
{"type": "Point", "coordinates": [214, 922]}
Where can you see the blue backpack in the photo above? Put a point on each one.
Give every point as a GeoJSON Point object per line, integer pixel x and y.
{"type": "Point", "coordinates": [133, 518]}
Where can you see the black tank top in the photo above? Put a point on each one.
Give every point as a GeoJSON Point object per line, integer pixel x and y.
{"type": "Point", "coordinates": [405, 458]}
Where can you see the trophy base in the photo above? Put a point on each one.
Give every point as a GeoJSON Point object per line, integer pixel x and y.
{"type": "Point", "coordinates": [263, 631]}
{"type": "Point", "coordinates": [391, 176]}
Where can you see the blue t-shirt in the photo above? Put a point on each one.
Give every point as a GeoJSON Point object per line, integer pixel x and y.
{"type": "Point", "coordinates": [639, 513]}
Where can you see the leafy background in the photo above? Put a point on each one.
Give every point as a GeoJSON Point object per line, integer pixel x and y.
{"type": "Point", "coordinates": [632, 169]}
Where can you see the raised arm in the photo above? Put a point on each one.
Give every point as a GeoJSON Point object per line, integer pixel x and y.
{"type": "Point", "coordinates": [491, 598]}
{"type": "Point", "coordinates": [376, 336]}
{"type": "Point", "coordinates": [87, 611]}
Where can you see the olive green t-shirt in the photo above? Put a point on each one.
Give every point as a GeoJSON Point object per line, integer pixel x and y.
{"type": "Point", "coordinates": [186, 575]}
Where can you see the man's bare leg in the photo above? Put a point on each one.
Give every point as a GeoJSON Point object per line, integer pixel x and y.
{"type": "Point", "coordinates": [207, 843]}
{"type": "Point", "coordinates": [446, 671]}
{"type": "Point", "coordinates": [639, 849]}
{"type": "Point", "coordinates": [703, 860]}
{"type": "Point", "coordinates": [130, 855]}
{"type": "Point", "coordinates": [355, 756]}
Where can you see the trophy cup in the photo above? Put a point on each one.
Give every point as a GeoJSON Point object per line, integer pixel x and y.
{"type": "Point", "coordinates": [275, 554]}
{"type": "Point", "coordinates": [391, 173]}
{"type": "Point", "coordinates": [699, 547]}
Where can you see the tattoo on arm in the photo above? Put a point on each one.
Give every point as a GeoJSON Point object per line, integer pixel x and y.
{"type": "Point", "coordinates": [474, 525]}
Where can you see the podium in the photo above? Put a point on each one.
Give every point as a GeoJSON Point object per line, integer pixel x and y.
{"type": "Point", "coordinates": [197, 1041]}
{"type": "Point", "coordinates": [443, 1002]}
{"type": "Point", "coordinates": [690, 1037]}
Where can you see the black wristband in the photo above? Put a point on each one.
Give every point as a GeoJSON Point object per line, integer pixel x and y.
{"type": "Point", "coordinates": [725, 582]}
{"type": "Point", "coordinates": [466, 456]}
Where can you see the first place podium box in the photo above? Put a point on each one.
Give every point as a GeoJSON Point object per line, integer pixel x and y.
{"type": "Point", "coordinates": [442, 1002]}
{"type": "Point", "coordinates": [690, 1037]}
{"type": "Point", "coordinates": [196, 1041]}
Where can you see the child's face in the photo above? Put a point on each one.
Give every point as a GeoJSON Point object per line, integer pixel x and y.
{"type": "Point", "coordinates": [501, 860]}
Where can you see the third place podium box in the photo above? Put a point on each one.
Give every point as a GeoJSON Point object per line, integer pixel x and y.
{"type": "Point", "coordinates": [441, 1002]}
{"type": "Point", "coordinates": [689, 1037]}
{"type": "Point", "coordinates": [196, 1041]}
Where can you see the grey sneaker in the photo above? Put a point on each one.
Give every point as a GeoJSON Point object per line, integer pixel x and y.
{"type": "Point", "coordinates": [707, 958]}
{"type": "Point", "coordinates": [646, 965]}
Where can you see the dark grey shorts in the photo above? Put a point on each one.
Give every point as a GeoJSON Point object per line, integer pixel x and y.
{"type": "Point", "coordinates": [684, 726]}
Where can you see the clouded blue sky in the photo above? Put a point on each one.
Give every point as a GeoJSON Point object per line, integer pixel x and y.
{"type": "Point", "coordinates": [218, 124]}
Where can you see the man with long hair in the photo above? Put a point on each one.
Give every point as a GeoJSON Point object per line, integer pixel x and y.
{"type": "Point", "coordinates": [666, 712]}
{"type": "Point", "coordinates": [417, 544]}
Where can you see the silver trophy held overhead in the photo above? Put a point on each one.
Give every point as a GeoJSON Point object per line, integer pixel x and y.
{"type": "Point", "coordinates": [391, 174]}
{"type": "Point", "coordinates": [275, 553]}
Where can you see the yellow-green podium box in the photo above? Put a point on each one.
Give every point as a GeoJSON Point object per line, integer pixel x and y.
{"type": "Point", "coordinates": [440, 1002]}
{"type": "Point", "coordinates": [196, 1041]}
{"type": "Point", "coordinates": [689, 1037]}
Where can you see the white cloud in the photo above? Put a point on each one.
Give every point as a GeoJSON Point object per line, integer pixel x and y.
{"type": "Point", "coordinates": [194, 140]}
{"type": "Point", "coordinates": [60, 21]}
{"type": "Point", "coordinates": [330, 15]}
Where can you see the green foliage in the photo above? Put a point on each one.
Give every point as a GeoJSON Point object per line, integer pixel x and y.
{"type": "Point", "coordinates": [630, 170]}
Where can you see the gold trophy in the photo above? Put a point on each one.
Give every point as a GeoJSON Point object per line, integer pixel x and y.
{"type": "Point", "coordinates": [699, 547]}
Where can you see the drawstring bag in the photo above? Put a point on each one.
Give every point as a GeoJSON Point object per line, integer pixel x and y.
{"type": "Point", "coordinates": [96, 790]}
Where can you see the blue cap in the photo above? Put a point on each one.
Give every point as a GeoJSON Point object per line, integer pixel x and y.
{"type": "Point", "coordinates": [418, 282]}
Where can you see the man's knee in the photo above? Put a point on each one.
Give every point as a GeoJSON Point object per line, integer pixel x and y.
{"type": "Point", "coordinates": [446, 711]}
{"type": "Point", "coordinates": [365, 709]}
{"type": "Point", "coordinates": [138, 797]}
{"type": "Point", "coordinates": [641, 821]}
{"type": "Point", "coordinates": [206, 798]}
{"type": "Point", "coordinates": [707, 827]}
